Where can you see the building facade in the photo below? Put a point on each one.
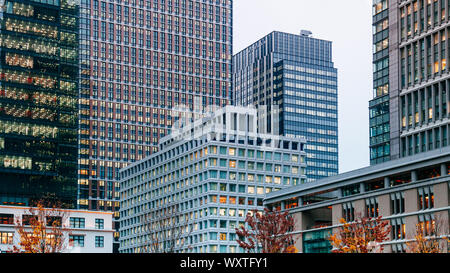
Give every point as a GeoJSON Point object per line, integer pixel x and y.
{"type": "Point", "coordinates": [192, 194]}
{"type": "Point", "coordinates": [84, 231]}
{"type": "Point", "coordinates": [38, 100]}
{"type": "Point", "coordinates": [292, 79]}
{"type": "Point", "coordinates": [411, 78]}
{"type": "Point", "coordinates": [141, 63]}
{"type": "Point", "coordinates": [380, 148]}
{"type": "Point", "coordinates": [406, 192]}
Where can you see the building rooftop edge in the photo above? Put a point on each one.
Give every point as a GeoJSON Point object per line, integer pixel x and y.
{"type": "Point", "coordinates": [354, 174]}
{"type": "Point", "coordinates": [283, 32]}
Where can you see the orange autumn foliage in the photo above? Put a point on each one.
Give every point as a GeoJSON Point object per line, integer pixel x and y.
{"type": "Point", "coordinates": [43, 232]}
{"type": "Point", "coordinates": [364, 235]}
{"type": "Point", "coordinates": [430, 239]}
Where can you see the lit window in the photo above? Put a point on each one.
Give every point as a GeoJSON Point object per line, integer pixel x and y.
{"type": "Point", "coordinates": [232, 164]}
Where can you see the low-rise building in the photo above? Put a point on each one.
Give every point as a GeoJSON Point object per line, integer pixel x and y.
{"type": "Point", "coordinates": [405, 192]}
{"type": "Point", "coordinates": [204, 180]}
{"type": "Point", "coordinates": [83, 231]}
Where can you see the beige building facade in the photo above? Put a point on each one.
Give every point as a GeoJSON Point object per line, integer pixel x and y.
{"type": "Point", "coordinates": [407, 192]}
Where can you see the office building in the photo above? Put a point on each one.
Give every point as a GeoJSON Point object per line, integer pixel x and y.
{"type": "Point", "coordinates": [292, 81]}
{"type": "Point", "coordinates": [192, 194]}
{"type": "Point", "coordinates": [380, 148]}
{"type": "Point", "coordinates": [142, 63]}
{"type": "Point", "coordinates": [409, 113]}
{"type": "Point", "coordinates": [83, 231]}
{"type": "Point", "coordinates": [38, 101]}
{"type": "Point", "coordinates": [405, 192]}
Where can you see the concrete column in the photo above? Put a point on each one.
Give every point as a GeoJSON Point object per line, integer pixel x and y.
{"type": "Point", "coordinates": [362, 187]}
{"type": "Point", "coordinates": [441, 103]}
{"type": "Point", "coordinates": [447, 95]}
{"type": "Point", "coordinates": [360, 208]}
{"type": "Point", "coordinates": [420, 106]}
{"type": "Point", "coordinates": [411, 201]}
{"type": "Point", "coordinates": [427, 113]}
{"type": "Point", "coordinates": [387, 183]}
{"type": "Point", "coordinates": [407, 111]}
{"type": "Point", "coordinates": [413, 176]}
{"type": "Point", "coordinates": [384, 205]}
{"type": "Point", "coordinates": [441, 195]}
{"type": "Point", "coordinates": [410, 226]}
{"type": "Point", "coordinates": [298, 226]}
{"type": "Point", "coordinates": [433, 104]}
{"type": "Point", "coordinates": [336, 214]}
{"type": "Point", "coordinates": [444, 170]}
{"type": "Point", "coordinates": [339, 193]}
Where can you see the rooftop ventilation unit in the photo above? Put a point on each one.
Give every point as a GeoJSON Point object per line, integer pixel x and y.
{"type": "Point", "coordinates": [306, 33]}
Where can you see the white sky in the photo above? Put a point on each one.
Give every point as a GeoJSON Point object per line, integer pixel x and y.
{"type": "Point", "coordinates": [348, 24]}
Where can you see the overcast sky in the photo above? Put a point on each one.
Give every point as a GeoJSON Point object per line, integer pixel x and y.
{"type": "Point", "coordinates": [347, 23]}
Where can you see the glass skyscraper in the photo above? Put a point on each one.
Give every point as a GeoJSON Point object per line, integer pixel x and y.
{"type": "Point", "coordinates": [38, 100]}
{"type": "Point", "coordinates": [291, 78]}
{"type": "Point", "coordinates": [380, 144]}
{"type": "Point", "coordinates": [410, 110]}
{"type": "Point", "coordinates": [141, 63]}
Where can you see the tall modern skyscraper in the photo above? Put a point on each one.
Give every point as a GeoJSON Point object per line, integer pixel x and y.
{"type": "Point", "coordinates": [409, 114]}
{"type": "Point", "coordinates": [38, 100]}
{"type": "Point", "coordinates": [141, 60]}
{"type": "Point", "coordinates": [380, 144]}
{"type": "Point", "coordinates": [292, 79]}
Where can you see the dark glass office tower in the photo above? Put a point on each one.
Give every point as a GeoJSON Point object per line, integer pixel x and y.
{"type": "Point", "coordinates": [380, 142]}
{"type": "Point", "coordinates": [38, 100]}
{"type": "Point", "coordinates": [292, 78]}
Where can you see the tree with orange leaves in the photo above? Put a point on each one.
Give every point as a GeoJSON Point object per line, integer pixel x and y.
{"type": "Point", "coordinates": [364, 235]}
{"type": "Point", "coordinates": [41, 230]}
{"type": "Point", "coordinates": [269, 231]}
{"type": "Point", "coordinates": [430, 237]}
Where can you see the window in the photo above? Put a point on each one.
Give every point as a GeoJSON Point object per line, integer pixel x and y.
{"type": "Point", "coordinates": [99, 241]}
{"type": "Point", "coordinates": [223, 199]}
{"type": "Point", "coordinates": [348, 212]}
{"type": "Point", "coordinates": [426, 198]}
{"type": "Point", "coordinates": [232, 164]}
{"type": "Point", "coordinates": [76, 240]}
{"type": "Point", "coordinates": [27, 220]}
{"type": "Point", "coordinates": [54, 221]}
{"type": "Point", "coordinates": [6, 238]}
{"type": "Point", "coordinates": [7, 219]}
{"type": "Point", "coordinates": [398, 229]}
{"type": "Point", "coordinates": [76, 222]}
{"type": "Point", "coordinates": [397, 203]}
{"type": "Point", "coordinates": [427, 224]}
{"type": "Point", "coordinates": [99, 223]}
{"type": "Point", "coordinates": [372, 210]}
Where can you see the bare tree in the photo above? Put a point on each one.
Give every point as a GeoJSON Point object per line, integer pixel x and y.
{"type": "Point", "coordinates": [269, 230]}
{"type": "Point", "coordinates": [167, 230]}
